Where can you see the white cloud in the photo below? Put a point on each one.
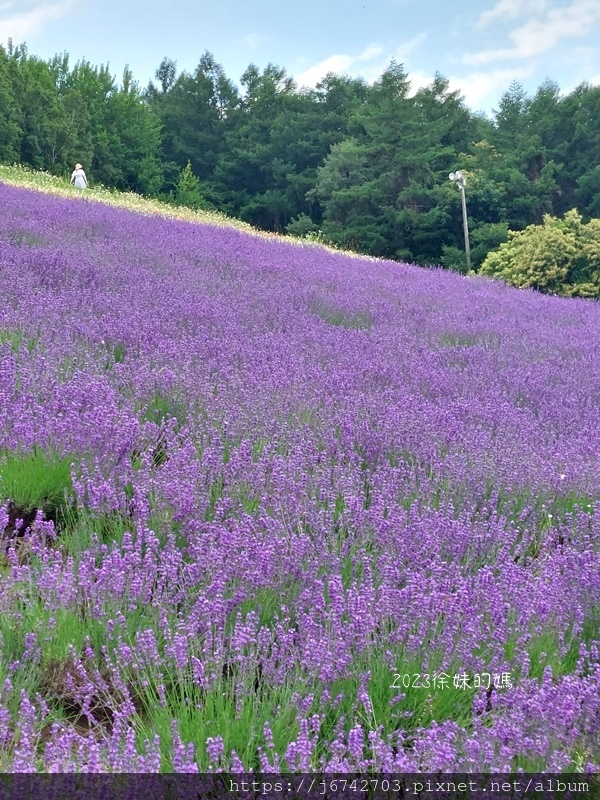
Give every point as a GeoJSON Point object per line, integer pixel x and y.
{"type": "Point", "coordinates": [370, 52]}
{"type": "Point", "coordinates": [581, 76]}
{"type": "Point", "coordinates": [370, 64]}
{"type": "Point", "coordinates": [253, 40]}
{"type": "Point", "coordinates": [541, 35]}
{"type": "Point", "coordinates": [406, 49]}
{"type": "Point", "coordinates": [30, 23]}
{"type": "Point", "coordinates": [478, 87]}
{"type": "Point", "coordinates": [340, 64]}
{"type": "Point", "coordinates": [418, 80]}
{"type": "Point", "coordinates": [511, 9]}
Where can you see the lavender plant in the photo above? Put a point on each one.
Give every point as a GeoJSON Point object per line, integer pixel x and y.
{"type": "Point", "coordinates": [299, 477]}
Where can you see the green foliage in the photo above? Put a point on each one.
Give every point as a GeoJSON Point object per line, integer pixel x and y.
{"type": "Point", "coordinates": [360, 320]}
{"type": "Point", "coordinates": [18, 339]}
{"type": "Point", "coordinates": [346, 164]}
{"type": "Point", "coordinates": [161, 407]}
{"type": "Point", "coordinates": [166, 74]}
{"type": "Point", "coordinates": [587, 194]}
{"type": "Point", "coordinates": [562, 256]}
{"type": "Point", "coordinates": [484, 237]}
{"type": "Point", "coordinates": [301, 226]}
{"type": "Point", "coordinates": [37, 480]}
{"type": "Point", "coordinates": [188, 192]}
{"type": "Point", "coordinates": [10, 123]}
{"type": "Point", "coordinates": [56, 115]}
{"type": "Point", "coordinates": [194, 112]}
{"type": "Point", "coordinates": [383, 188]}
{"type": "Point", "coordinates": [81, 534]}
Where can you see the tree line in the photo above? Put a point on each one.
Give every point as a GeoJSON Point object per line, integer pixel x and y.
{"type": "Point", "coordinates": [359, 166]}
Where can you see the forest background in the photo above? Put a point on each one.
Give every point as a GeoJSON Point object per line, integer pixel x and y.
{"type": "Point", "coordinates": [358, 166]}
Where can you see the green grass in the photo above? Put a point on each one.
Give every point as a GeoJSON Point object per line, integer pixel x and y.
{"type": "Point", "coordinates": [266, 603]}
{"type": "Point", "coordinates": [233, 707]}
{"type": "Point", "coordinates": [25, 178]}
{"type": "Point", "coordinates": [87, 528]}
{"type": "Point", "coordinates": [17, 338]}
{"type": "Point", "coordinates": [27, 238]}
{"type": "Point", "coordinates": [399, 697]}
{"type": "Point", "coordinates": [469, 340]}
{"type": "Point", "coordinates": [160, 408]}
{"type": "Point", "coordinates": [115, 355]}
{"type": "Point", "coordinates": [360, 320]}
{"type": "Point", "coordinates": [37, 480]}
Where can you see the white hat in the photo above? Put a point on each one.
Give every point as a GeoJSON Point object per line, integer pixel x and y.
{"type": "Point", "coordinates": [78, 166]}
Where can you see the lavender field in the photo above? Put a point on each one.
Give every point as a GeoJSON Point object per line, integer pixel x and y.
{"type": "Point", "coordinates": [248, 486]}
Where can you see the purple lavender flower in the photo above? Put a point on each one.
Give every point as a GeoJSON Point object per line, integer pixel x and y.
{"type": "Point", "coordinates": [296, 474]}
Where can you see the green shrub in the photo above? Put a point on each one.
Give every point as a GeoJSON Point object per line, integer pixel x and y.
{"type": "Point", "coordinates": [189, 192]}
{"type": "Point", "coordinates": [484, 237]}
{"type": "Point", "coordinates": [37, 481]}
{"type": "Point", "coordinates": [301, 226]}
{"type": "Point", "coordinates": [562, 256]}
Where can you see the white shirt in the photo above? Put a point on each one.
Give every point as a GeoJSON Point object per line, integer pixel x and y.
{"type": "Point", "coordinates": [79, 179]}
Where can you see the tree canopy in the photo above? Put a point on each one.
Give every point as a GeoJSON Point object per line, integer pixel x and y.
{"type": "Point", "coordinates": [562, 256]}
{"type": "Point", "coordinates": [363, 166]}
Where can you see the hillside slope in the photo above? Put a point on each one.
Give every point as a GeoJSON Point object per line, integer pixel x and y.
{"type": "Point", "coordinates": [297, 477]}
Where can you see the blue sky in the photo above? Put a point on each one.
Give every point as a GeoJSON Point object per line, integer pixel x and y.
{"type": "Point", "coordinates": [480, 46]}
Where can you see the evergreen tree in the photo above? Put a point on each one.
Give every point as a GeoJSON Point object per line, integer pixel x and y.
{"type": "Point", "coordinates": [11, 130]}
{"type": "Point", "coordinates": [365, 165]}
{"type": "Point", "coordinates": [579, 150]}
{"type": "Point", "coordinates": [391, 196]}
{"type": "Point", "coordinates": [192, 109]}
{"type": "Point", "coordinates": [188, 192]}
{"type": "Point", "coordinates": [250, 175]}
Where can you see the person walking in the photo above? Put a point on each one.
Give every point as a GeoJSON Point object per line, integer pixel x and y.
{"type": "Point", "coordinates": [78, 178]}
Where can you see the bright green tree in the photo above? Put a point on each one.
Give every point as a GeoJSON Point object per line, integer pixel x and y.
{"type": "Point", "coordinates": [37, 107]}
{"type": "Point", "coordinates": [561, 256]}
{"type": "Point", "coordinates": [188, 191]}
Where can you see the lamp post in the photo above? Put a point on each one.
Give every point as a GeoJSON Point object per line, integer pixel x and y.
{"type": "Point", "coordinates": [461, 182]}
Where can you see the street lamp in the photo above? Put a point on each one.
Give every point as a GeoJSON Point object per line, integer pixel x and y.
{"type": "Point", "coordinates": [460, 181]}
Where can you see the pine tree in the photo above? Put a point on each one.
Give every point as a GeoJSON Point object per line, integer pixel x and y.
{"type": "Point", "coordinates": [188, 192]}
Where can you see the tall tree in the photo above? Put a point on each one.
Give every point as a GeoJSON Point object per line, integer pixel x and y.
{"type": "Point", "coordinates": [193, 110]}
{"type": "Point", "coordinates": [250, 175]}
{"type": "Point", "coordinates": [11, 130]}
{"type": "Point", "coordinates": [41, 116]}
{"type": "Point", "coordinates": [166, 74]}
{"type": "Point", "coordinates": [579, 150]}
{"type": "Point", "coordinates": [139, 137]}
{"type": "Point", "coordinates": [390, 196]}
